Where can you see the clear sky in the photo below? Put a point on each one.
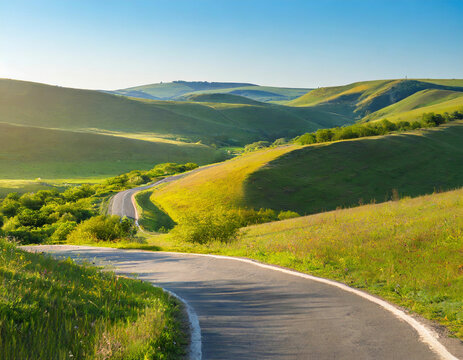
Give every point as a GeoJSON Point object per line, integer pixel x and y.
{"type": "Point", "coordinates": [109, 44]}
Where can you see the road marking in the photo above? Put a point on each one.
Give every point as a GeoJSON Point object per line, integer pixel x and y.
{"type": "Point", "coordinates": [194, 352]}
{"type": "Point", "coordinates": [427, 336]}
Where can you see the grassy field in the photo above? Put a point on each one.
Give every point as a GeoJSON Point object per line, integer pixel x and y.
{"type": "Point", "coordinates": [408, 251]}
{"type": "Point", "coordinates": [221, 185]}
{"type": "Point", "coordinates": [322, 177]}
{"type": "Point", "coordinates": [52, 107]}
{"type": "Point", "coordinates": [58, 310]}
{"type": "Point", "coordinates": [413, 107]}
{"type": "Point", "coordinates": [151, 217]}
{"type": "Point", "coordinates": [29, 153]}
{"type": "Point", "coordinates": [346, 173]}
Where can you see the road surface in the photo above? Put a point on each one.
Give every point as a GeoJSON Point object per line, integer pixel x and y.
{"type": "Point", "coordinates": [122, 205]}
{"type": "Point", "coordinates": [246, 311]}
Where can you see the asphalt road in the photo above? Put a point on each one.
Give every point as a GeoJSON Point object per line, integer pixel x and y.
{"type": "Point", "coordinates": [249, 312]}
{"type": "Point", "coordinates": [122, 205]}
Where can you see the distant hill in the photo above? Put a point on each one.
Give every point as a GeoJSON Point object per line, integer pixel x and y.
{"type": "Point", "coordinates": [72, 131]}
{"type": "Point", "coordinates": [182, 90]}
{"type": "Point", "coordinates": [224, 98]}
{"type": "Point", "coordinates": [172, 90]}
{"type": "Point", "coordinates": [41, 105]}
{"type": "Point", "coordinates": [359, 100]}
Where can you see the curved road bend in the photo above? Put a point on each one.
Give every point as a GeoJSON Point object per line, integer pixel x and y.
{"type": "Point", "coordinates": [121, 204]}
{"type": "Point", "coordinates": [249, 312]}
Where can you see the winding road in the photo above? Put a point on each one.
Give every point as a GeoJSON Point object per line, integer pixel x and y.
{"type": "Point", "coordinates": [247, 310]}
{"type": "Point", "coordinates": [241, 309]}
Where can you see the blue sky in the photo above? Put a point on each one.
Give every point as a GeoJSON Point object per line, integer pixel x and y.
{"type": "Point", "coordinates": [108, 44]}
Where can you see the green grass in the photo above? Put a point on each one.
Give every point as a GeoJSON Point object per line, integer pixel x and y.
{"type": "Point", "coordinates": [413, 107]}
{"type": "Point", "coordinates": [408, 252]}
{"type": "Point", "coordinates": [360, 99]}
{"type": "Point", "coordinates": [345, 173]}
{"type": "Point", "coordinates": [23, 186]}
{"type": "Point", "coordinates": [29, 153]}
{"type": "Point", "coordinates": [58, 310]}
{"type": "Point", "coordinates": [40, 105]}
{"type": "Point", "coordinates": [220, 185]}
{"type": "Point", "coordinates": [151, 217]}
{"type": "Point", "coordinates": [323, 177]}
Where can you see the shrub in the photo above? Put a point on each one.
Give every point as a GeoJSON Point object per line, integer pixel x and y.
{"type": "Point", "coordinates": [324, 135]}
{"type": "Point", "coordinates": [283, 215]}
{"type": "Point", "coordinates": [63, 230]}
{"type": "Point", "coordinates": [256, 146]}
{"type": "Point", "coordinates": [103, 228]}
{"type": "Point", "coordinates": [205, 227]}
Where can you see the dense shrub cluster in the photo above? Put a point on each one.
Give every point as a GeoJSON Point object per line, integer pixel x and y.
{"type": "Point", "coordinates": [375, 128]}
{"type": "Point", "coordinates": [49, 215]}
{"type": "Point", "coordinates": [223, 225]}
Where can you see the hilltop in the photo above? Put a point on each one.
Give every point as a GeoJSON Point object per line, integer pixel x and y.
{"type": "Point", "coordinates": [366, 100]}
{"type": "Point", "coordinates": [181, 90]}
{"type": "Point", "coordinates": [40, 105]}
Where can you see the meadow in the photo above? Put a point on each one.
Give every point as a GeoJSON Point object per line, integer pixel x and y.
{"type": "Point", "coordinates": [52, 107]}
{"type": "Point", "coordinates": [321, 177]}
{"type": "Point", "coordinates": [30, 153]}
{"type": "Point", "coordinates": [53, 309]}
{"type": "Point", "coordinates": [407, 251]}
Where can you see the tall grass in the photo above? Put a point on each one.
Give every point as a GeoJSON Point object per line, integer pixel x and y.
{"type": "Point", "coordinates": [408, 251]}
{"type": "Point", "coordinates": [59, 310]}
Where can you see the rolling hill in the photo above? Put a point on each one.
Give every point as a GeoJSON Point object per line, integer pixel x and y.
{"type": "Point", "coordinates": [29, 152]}
{"type": "Point", "coordinates": [40, 105]}
{"type": "Point", "coordinates": [323, 177]}
{"type": "Point", "coordinates": [182, 90]}
{"type": "Point", "coordinates": [359, 100]}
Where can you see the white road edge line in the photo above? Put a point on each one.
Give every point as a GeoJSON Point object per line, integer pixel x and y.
{"type": "Point", "coordinates": [194, 352]}
{"type": "Point", "coordinates": [427, 336]}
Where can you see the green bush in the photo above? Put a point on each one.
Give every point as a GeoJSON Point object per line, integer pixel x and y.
{"type": "Point", "coordinates": [202, 228]}
{"type": "Point", "coordinates": [283, 215]}
{"type": "Point", "coordinates": [375, 128]}
{"type": "Point", "coordinates": [35, 217]}
{"type": "Point", "coordinates": [103, 228]}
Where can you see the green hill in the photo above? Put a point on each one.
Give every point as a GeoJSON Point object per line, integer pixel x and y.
{"type": "Point", "coordinates": [363, 98]}
{"type": "Point", "coordinates": [55, 107]}
{"type": "Point", "coordinates": [317, 178]}
{"type": "Point", "coordinates": [181, 90]}
{"type": "Point", "coordinates": [223, 98]}
{"type": "Point", "coordinates": [425, 101]}
{"type": "Point", "coordinates": [172, 90]}
{"type": "Point", "coordinates": [259, 93]}
{"type": "Point", "coordinates": [30, 152]}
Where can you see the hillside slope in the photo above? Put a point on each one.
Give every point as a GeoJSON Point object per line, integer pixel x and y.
{"type": "Point", "coordinates": [426, 101]}
{"type": "Point", "coordinates": [322, 177]}
{"type": "Point", "coordinates": [344, 173]}
{"type": "Point", "coordinates": [360, 99]}
{"type": "Point", "coordinates": [47, 106]}
{"type": "Point", "coordinates": [29, 152]}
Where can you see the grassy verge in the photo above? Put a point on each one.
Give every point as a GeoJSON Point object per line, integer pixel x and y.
{"type": "Point", "coordinates": [408, 251]}
{"type": "Point", "coordinates": [151, 217]}
{"type": "Point", "coordinates": [59, 310]}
